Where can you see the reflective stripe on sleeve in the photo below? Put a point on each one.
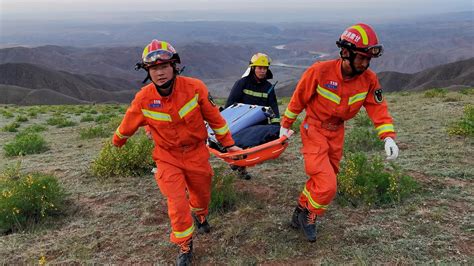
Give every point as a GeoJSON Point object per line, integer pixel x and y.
{"type": "Point", "coordinates": [117, 132]}
{"type": "Point", "coordinates": [385, 128]}
{"type": "Point", "coordinates": [221, 131]}
{"type": "Point", "coordinates": [357, 98]}
{"type": "Point", "coordinates": [290, 114]}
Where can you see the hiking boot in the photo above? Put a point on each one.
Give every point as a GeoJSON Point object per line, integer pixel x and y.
{"type": "Point", "coordinates": [294, 219]}
{"type": "Point", "coordinates": [307, 222]}
{"type": "Point", "coordinates": [243, 174]}
{"type": "Point", "coordinates": [201, 223]}
{"type": "Point", "coordinates": [185, 253]}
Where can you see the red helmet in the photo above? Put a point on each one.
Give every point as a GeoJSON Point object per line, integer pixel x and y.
{"type": "Point", "coordinates": [361, 38]}
{"type": "Point", "coordinates": [159, 52]}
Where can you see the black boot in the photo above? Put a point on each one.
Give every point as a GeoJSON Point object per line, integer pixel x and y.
{"type": "Point", "coordinates": [185, 253]}
{"type": "Point", "coordinates": [244, 174]}
{"type": "Point", "coordinates": [201, 223]}
{"type": "Point", "coordinates": [307, 222]}
{"type": "Point", "coordinates": [294, 219]}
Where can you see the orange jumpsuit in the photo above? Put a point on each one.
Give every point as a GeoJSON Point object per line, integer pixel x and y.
{"type": "Point", "coordinates": [176, 123]}
{"type": "Point", "coordinates": [330, 100]}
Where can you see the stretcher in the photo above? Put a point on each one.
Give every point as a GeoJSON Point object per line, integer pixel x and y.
{"type": "Point", "coordinates": [254, 155]}
{"type": "Point", "coordinates": [238, 117]}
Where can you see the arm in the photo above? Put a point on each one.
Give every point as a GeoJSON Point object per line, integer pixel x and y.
{"type": "Point", "coordinates": [377, 110]}
{"type": "Point", "coordinates": [132, 120]}
{"type": "Point", "coordinates": [235, 95]}
{"type": "Point", "coordinates": [211, 114]}
{"type": "Point", "coordinates": [305, 89]}
{"type": "Point", "coordinates": [273, 103]}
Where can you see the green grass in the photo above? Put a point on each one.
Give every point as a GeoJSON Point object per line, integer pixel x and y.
{"type": "Point", "coordinates": [94, 132]}
{"type": "Point", "coordinates": [28, 199]}
{"type": "Point", "coordinates": [12, 127]}
{"type": "Point", "coordinates": [25, 143]}
{"type": "Point", "coordinates": [124, 219]}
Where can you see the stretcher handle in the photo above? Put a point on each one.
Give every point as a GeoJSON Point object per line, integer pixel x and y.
{"type": "Point", "coordinates": [237, 154]}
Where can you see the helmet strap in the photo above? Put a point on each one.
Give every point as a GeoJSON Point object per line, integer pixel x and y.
{"type": "Point", "coordinates": [351, 58]}
{"type": "Point", "coordinates": [167, 85]}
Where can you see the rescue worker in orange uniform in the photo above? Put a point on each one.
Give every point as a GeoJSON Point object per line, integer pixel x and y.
{"type": "Point", "coordinates": [254, 88]}
{"type": "Point", "coordinates": [332, 92]}
{"type": "Point", "coordinates": [174, 109]}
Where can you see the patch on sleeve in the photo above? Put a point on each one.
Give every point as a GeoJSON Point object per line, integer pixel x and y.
{"type": "Point", "coordinates": [378, 96]}
{"type": "Point", "coordinates": [211, 100]}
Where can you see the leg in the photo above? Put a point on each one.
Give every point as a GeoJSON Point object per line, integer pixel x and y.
{"type": "Point", "coordinates": [171, 181]}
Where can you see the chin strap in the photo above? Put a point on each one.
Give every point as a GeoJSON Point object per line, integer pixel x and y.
{"type": "Point", "coordinates": [168, 84]}
{"type": "Point", "coordinates": [351, 59]}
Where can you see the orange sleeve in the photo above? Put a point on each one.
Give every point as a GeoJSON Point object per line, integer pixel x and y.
{"type": "Point", "coordinates": [377, 110]}
{"type": "Point", "coordinates": [132, 120]}
{"type": "Point", "coordinates": [211, 114]}
{"type": "Point", "coordinates": [305, 89]}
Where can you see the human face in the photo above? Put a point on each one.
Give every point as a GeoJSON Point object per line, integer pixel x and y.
{"type": "Point", "coordinates": [261, 72]}
{"type": "Point", "coordinates": [162, 73]}
{"type": "Point", "coordinates": [361, 62]}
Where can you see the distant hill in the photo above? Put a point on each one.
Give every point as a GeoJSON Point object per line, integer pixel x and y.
{"type": "Point", "coordinates": [202, 60]}
{"type": "Point", "coordinates": [452, 75]}
{"type": "Point", "coordinates": [30, 84]}
{"type": "Point", "coordinates": [460, 73]}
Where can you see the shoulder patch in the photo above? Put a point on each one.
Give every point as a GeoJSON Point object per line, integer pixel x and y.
{"type": "Point", "coordinates": [211, 100]}
{"type": "Point", "coordinates": [378, 96]}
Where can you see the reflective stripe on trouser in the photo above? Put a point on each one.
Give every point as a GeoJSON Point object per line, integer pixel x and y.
{"type": "Point", "coordinates": [185, 181]}
{"type": "Point", "coordinates": [322, 152]}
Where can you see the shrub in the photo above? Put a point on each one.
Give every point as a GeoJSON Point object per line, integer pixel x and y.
{"type": "Point", "coordinates": [32, 113]}
{"type": "Point", "coordinates": [464, 127]}
{"type": "Point", "coordinates": [364, 181]}
{"type": "Point", "coordinates": [21, 118]}
{"type": "Point", "coordinates": [436, 93]}
{"type": "Point", "coordinates": [87, 118]}
{"type": "Point", "coordinates": [133, 159]}
{"type": "Point", "coordinates": [296, 125]}
{"type": "Point", "coordinates": [467, 91]}
{"type": "Point", "coordinates": [223, 195]}
{"type": "Point", "coordinates": [362, 139]}
{"type": "Point", "coordinates": [94, 132]}
{"type": "Point", "coordinates": [28, 198]}
{"type": "Point", "coordinates": [25, 143]}
{"type": "Point", "coordinates": [60, 121]}
{"type": "Point", "coordinates": [6, 114]}
{"type": "Point", "coordinates": [34, 129]}
{"type": "Point", "coordinates": [101, 119]}
{"type": "Point", "coordinates": [114, 123]}
{"type": "Point", "coordinates": [362, 120]}
{"type": "Point", "coordinates": [12, 127]}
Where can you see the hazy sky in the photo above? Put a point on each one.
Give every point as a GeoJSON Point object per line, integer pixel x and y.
{"type": "Point", "coordinates": [232, 9]}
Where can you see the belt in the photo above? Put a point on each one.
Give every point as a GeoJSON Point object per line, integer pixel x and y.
{"type": "Point", "coordinates": [332, 124]}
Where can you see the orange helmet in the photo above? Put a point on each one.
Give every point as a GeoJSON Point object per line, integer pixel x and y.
{"type": "Point", "coordinates": [159, 52]}
{"type": "Point", "coordinates": [361, 38]}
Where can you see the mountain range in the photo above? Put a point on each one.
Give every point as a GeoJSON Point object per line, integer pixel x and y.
{"type": "Point", "coordinates": [24, 83]}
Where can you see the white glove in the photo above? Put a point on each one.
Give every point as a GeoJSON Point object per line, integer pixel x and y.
{"type": "Point", "coordinates": [391, 148]}
{"type": "Point", "coordinates": [284, 132]}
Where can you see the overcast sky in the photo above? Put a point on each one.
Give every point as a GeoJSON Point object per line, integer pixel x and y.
{"type": "Point", "coordinates": [229, 9]}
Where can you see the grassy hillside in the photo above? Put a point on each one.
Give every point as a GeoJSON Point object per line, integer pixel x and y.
{"type": "Point", "coordinates": [124, 220]}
